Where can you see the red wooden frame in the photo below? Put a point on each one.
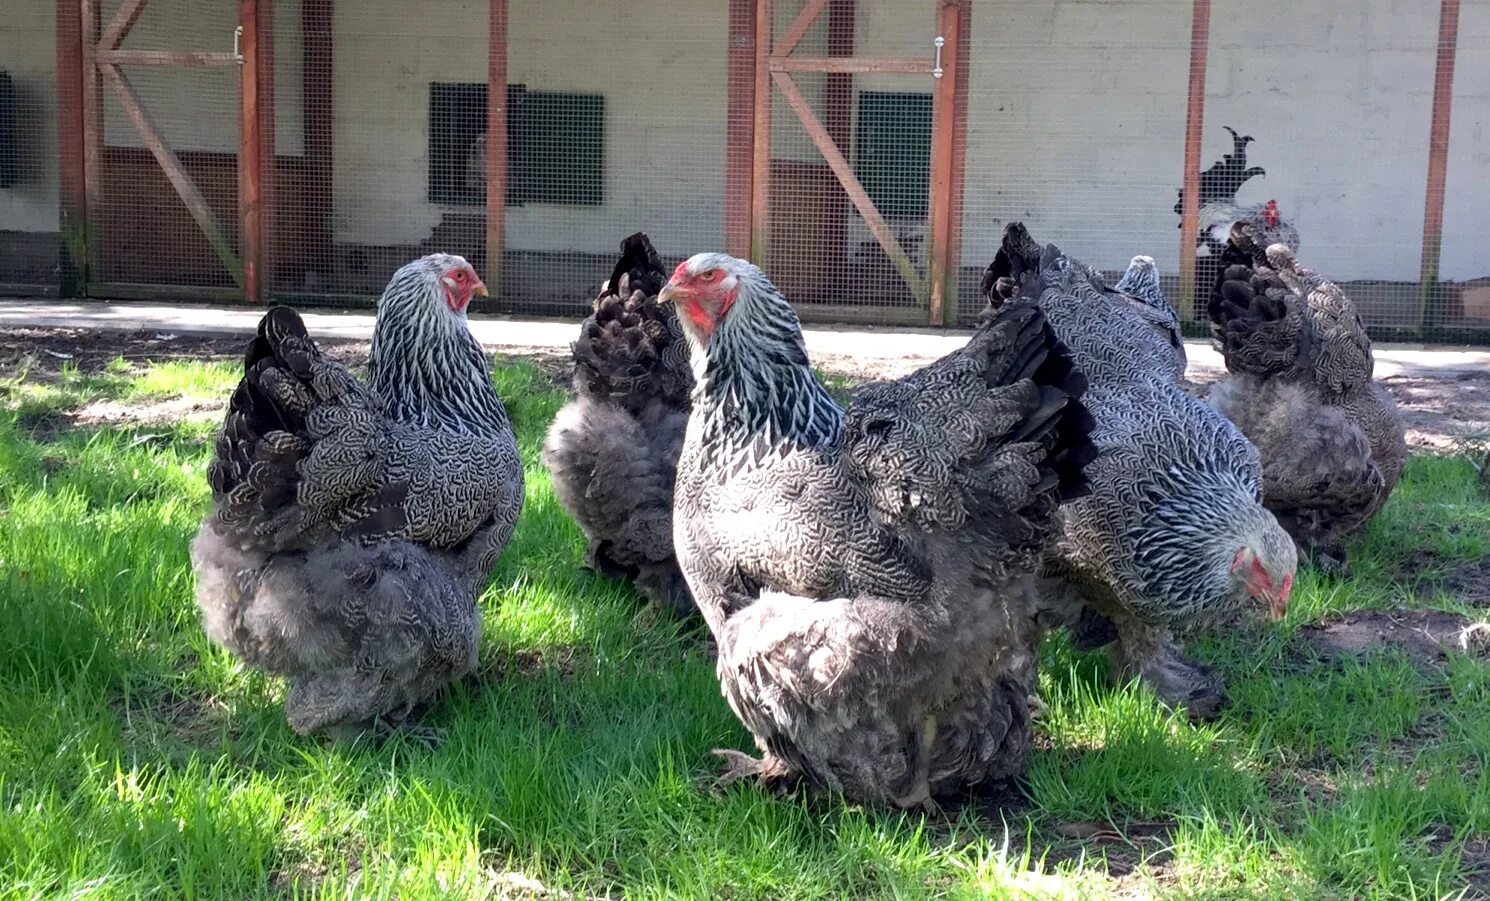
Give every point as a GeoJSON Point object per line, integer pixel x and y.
{"type": "Point", "coordinates": [749, 87]}
{"type": "Point", "coordinates": [316, 111]}
{"type": "Point", "coordinates": [256, 145]}
{"type": "Point", "coordinates": [740, 126]}
{"type": "Point", "coordinates": [99, 61]}
{"type": "Point", "coordinates": [1438, 157]}
{"type": "Point", "coordinates": [1200, 38]}
{"type": "Point", "coordinates": [496, 145]}
{"type": "Point", "coordinates": [71, 168]}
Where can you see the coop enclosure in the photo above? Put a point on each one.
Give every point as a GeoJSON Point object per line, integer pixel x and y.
{"type": "Point", "coordinates": [867, 152]}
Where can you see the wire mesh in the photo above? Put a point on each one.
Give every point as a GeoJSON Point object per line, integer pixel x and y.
{"type": "Point", "coordinates": [619, 118]}
{"type": "Point", "coordinates": [168, 162]}
{"type": "Point", "coordinates": [30, 245]}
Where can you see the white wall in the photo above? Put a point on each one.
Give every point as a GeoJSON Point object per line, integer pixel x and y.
{"type": "Point", "coordinates": [196, 108]}
{"type": "Point", "coordinates": [28, 42]}
{"type": "Point", "coordinates": [661, 68]}
{"type": "Point", "coordinates": [1076, 115]}
{"type": "Point", "coordinates": [1466, 214]}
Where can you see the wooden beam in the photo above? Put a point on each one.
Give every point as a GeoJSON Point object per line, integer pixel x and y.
{"type": "Point", "coordinates": [72, 191]}
{"type": "Point", "coordinates": [175, 172]}
{"type": "Point", "coordinates": [256, 145]}
{"type": "Point", "coordinates": [905, 66]}
{"type": "Point", "coordinates": [760, 138]}
{"type": "Point", "coordinates": [799, 27]}
{"type": "Point", "coordinates": [961, 74]}
{"type": "Point", "coordinates": [1200, 36]}
{"type": "Point", "coordinates": [943, 125]}
{"type": "Point", "coordinates": [316, 56]}
{"type": "Point", "coordinates": [118, 28]}
{"type": "Point", "coordinates": [851, 184]}
{"type": "Point", "coordinates": [838, 118]}
{"type": "Point", "coordinates": [1438, 158]}
{"type": "Point", "coordinates": [166, 57]}
{"type": "Point", "coordinates": [739, 127]}
{"type": "Point", "coordinates": [92, 134]}
{"type": "Point", "coordinates": [496, 145]}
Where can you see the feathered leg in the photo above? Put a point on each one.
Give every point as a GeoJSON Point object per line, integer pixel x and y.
{"type": "Point", "coordinates": [1152, 655]}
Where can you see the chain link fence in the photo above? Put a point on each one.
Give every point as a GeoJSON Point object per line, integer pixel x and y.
{"type": "Point", "coordinates": [871, 170]}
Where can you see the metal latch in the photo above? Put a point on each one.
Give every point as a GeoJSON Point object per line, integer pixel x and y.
{"type": "Point", "coordinates": [238, 55]}
{"type": "Point", "coordinates": [939, 43]}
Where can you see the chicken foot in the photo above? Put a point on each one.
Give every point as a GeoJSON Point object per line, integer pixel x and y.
{"type": "Point", "coordinates": [769, 771]}
{"type": "Point", "coordinates": [914, 788]}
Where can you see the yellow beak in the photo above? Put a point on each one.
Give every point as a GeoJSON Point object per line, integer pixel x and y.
{"type": "Point", "coordinates": [480, 289]}
{"type": "Point", "coordinates": [666, 294]}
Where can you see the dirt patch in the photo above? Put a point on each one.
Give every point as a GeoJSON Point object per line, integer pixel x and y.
{"type": "Point", "coordinates": [114, 413]}
{"type": "Point", "coordinates": [1423, 635]}
{"type": "Point", "coordinates": [1442, 412]}
{"type": "Point", "coordinates": [1474, 859]}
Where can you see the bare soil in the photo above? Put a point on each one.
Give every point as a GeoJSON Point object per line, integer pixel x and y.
{"type": "Point", "coordinates": [1425, 636]}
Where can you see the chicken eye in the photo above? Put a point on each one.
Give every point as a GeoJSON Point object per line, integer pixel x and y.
{"type": "Point", "coordinates": [712, 275]}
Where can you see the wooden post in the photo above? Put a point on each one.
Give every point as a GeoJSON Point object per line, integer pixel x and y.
{"type": "Point", "coordinates": [760, 158]}
{"type": "Point", "coordinates": [838, 118]}
{"type": "Point", "coordinates": [961, 73]}
{"type": "Point", "coordinates": [256, 145]}
{"type": "Point", "coordinates": [72, 189]}
{"type": "Point", "coordinates": [739, 128]}
{"type": "Point", "coordinates": [1438, 158]}
{"type": "Point", "coordinates": [1200, 31]}
{"type": "Point", "coordinates": [92, 134]}
{"type": "Point", "coordinates": [851, 184]}
{"type": "Point", "coordinates": [496, 145]}
{"type": "Point", "coordinates": [943, 128]}
{"type": "Point", "coordinates": [316, 189]}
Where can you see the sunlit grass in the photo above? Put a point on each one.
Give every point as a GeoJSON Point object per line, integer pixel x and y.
{"type": "Point", "coordinates": [136, 758]}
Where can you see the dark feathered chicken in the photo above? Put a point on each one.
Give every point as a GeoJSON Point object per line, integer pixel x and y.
{"type": "Point", "coordinates": [867, 573]}
{"type": "Point", "coordinates": [353, 525]}
{"type": "Point", "coordinates": [1173, 533]}
{"type": "Point", "coordinates": [1300, 388]}
{"type": "Point", "coordinates": [613, 450]}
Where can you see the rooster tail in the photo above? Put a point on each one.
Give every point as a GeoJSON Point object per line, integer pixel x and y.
{"type": "Point", "coordinates": [641, 267]}
{"type": "Point", "coordinates": [1014, 269]}
{"type": "Point", "coordinates": [1022, 345]}
{"type": "Point", "coordinates": [631, 349]}
{"type": "Point", "coordinates": [254, 462]}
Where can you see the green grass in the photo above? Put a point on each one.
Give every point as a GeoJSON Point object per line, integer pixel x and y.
{"type": "Point", "coordinates": [138, 759]}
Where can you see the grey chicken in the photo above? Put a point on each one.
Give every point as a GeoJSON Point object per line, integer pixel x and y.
{"type": "Point", "coordinates": [867, 573]}
{"type": "Point", "coordinates": [1173, 534]}
{"type": "Point", "coordinates": [354, 525]}
{"type": "Point", "coordinates": [1300, 388]}
{"type": "Point", "coordinates": [1140, 286]}
{"type": "Point", "coordinates": [613, 450]}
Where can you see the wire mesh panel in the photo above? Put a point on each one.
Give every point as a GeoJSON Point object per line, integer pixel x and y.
{"type": "Point", "coordinates": [615, 118]}
{"type": "Point", "coordinates": [1077, 119]}
{"type": "Point", "coordinates": [864, 223]}
{"type": "Point", "coordinates": [167, 177]}
{"type": "Point", "coordinates": [29, 242]}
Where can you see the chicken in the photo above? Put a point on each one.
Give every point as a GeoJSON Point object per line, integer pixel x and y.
{"type": "Point", "coordinates": [613, 450]}
{"type": "Point", "coordinates": [1300, 388]}
{"type": "Point", "coordinates": [1173, 534]}
{"type": "Point", "coordinates": [867, 574]}
{"type": "Point", "coordinates": [1140, 285]}
{"type": "Point", "coordinates": [354, 525]}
